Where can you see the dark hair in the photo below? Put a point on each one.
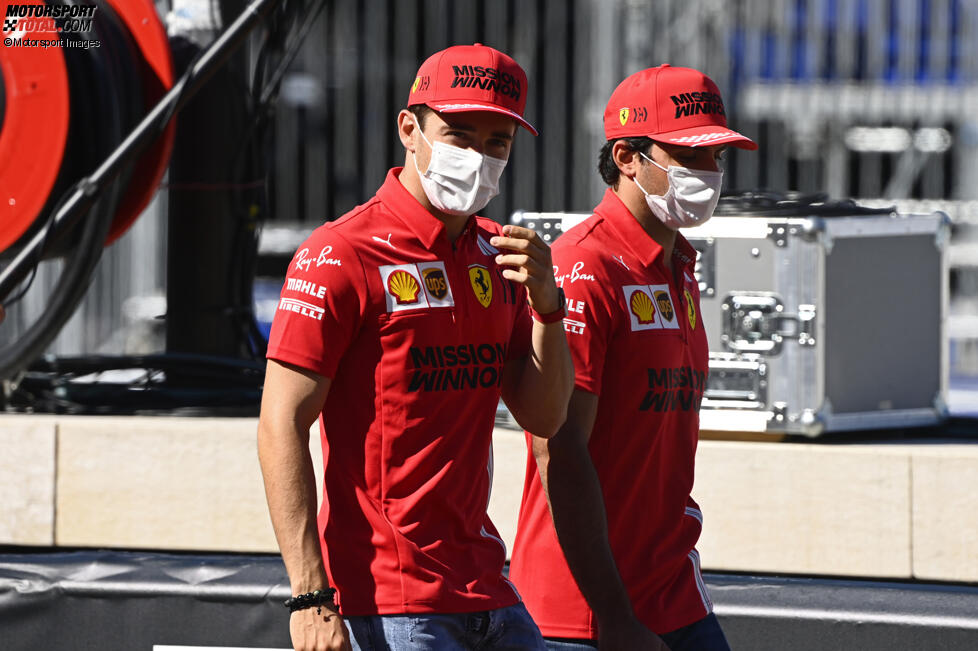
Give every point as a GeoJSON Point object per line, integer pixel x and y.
{"type": "Point", "coordinates": [607, 167]}
{"type": "Point", "coordinates": [421, 112]}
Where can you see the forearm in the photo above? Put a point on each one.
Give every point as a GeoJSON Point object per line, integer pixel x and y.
{"type": "Point", "coordinates": [577, 507]}
{"type": "Point", "coordinates": [538, 400]}
{"type": "Point", "coordinates": [290, 488]}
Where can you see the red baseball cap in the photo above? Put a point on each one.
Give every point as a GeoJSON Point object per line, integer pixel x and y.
{"type": "Point", "coordinates": [472, 78]}
{"type": "Point", "coordinates": [677, 106]}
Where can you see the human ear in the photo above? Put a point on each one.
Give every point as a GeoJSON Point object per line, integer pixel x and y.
{"type": "Point", "coordinates": [627, 159]}
{"type": "Point", "coordinates": [406, 126]}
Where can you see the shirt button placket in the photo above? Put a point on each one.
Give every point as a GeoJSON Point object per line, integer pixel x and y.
{"type": "Point", "coordinates": [459, 274]}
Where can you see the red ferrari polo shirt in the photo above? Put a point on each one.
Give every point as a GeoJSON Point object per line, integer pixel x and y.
{"type": "Point", "coordinates": [638, 343]}
{"type": "Point", "coordinates": [414, 332]}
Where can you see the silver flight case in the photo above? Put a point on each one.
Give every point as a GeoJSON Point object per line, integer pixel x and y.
{"type": "Point", "coordinates": [822, 324]}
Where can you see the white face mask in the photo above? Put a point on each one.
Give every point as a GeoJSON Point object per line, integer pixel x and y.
{"type": "Point", "coordinates": [691, 198]}
{"type": "Point", "coordinates": [459, 181]}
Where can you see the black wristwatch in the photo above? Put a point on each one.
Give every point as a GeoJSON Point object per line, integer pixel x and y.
{"type": "Point", "coordinates": [556, 315]}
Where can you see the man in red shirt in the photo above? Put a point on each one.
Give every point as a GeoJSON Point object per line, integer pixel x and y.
{"type": "Point", "coordinates": [400, 325]}
{"type": "Point", "coordinates": [621, 569]}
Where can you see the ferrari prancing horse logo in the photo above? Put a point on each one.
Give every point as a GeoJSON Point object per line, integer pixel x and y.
{"type": "Point", "coordinates": [481, 284]}
{"type": "Point", "coordinates": [635, 113]}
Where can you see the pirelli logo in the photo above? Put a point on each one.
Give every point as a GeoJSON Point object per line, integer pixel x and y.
{"type": "Point", "coordinates": [301, 307]}
{"type": "Point", "coordinates": [650, 307]}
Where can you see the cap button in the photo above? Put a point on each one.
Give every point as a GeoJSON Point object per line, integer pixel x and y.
{"type": "Point", "coordinates": [478, 44]}
{"type": "Point", "coordinates": [664, 65]}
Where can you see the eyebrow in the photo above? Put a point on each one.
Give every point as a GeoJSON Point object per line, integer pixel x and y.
{"type": "Point", "coordinates": [469, 128]}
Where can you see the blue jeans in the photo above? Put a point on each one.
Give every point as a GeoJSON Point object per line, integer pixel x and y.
{"type": "Point", "coordinates": [504, 629]}
{"type": "Point", "coordinates": [704, 635]}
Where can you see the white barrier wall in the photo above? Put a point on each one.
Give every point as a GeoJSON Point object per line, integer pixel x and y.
{"type": "Point", "coordinates": [890, 511]}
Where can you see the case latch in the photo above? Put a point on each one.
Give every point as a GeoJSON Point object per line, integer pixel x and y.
{"type": "Point", "coordinates": [736, 381]}
{"type": "Point", "coordinates": [755, 322]}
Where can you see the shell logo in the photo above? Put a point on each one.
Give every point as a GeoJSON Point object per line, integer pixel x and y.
{"type": "Point", "coordinates": [642, 307]}
{"type": "Point", "coordinates": [665, 305]}
{"type": "Point", "coordinates": [623, 116]}
{"type": "Point", "coordinates": [404, 287]}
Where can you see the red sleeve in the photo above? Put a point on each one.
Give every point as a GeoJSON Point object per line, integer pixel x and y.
{"type": "Point", "coordinates": [590, 319]}
{"type": "Point", "coordinates": [321, 306]}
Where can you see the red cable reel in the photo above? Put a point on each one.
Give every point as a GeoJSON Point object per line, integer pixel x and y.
{"type": "Point", "coordinates": [36, 110]}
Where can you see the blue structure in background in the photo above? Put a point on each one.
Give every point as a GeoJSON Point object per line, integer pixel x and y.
{"type": "Point", "coordinates": [803, 46]}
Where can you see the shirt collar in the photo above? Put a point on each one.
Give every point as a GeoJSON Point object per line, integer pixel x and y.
{"type": "Point", "coordinates": [634, 236]}
{"type": "Point", "coordinates": [409, 211]}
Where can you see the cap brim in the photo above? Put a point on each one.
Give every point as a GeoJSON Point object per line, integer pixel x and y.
{"type": "Point", "coordinates": [461, 107]}
{"type": "Point", "coordinates": [704, 136]}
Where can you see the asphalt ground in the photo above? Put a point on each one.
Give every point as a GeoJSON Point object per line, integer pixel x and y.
{"type": "Point", "coordinates": [106, 600]}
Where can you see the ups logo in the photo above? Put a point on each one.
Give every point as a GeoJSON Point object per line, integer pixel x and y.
{"type": "Point", "coordinates": [665, 305]}
{"type": "Point", "coordinates": [434, 281]}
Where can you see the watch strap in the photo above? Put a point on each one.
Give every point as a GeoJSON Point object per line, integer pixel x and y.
{"type": "Point", "coordinates": [556, 315]}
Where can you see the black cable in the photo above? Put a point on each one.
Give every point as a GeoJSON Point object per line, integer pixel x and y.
{"type": "Point", "coordinates": [62, 385]}
{"type": "Point", "coordinates": [95, 83]}
{"type": "Point", "coordinates": [225, 369]}
{"type": "Point", "coordinates": [36, 262]}
{"type": "Point", "coordinates": [139, 139]}
{"type": "Point", "coordinates": [233, 388]}
{"type": "Point", "coordinates": [272, 87]}
{"type": "Point", "coordinates": [249, 151]}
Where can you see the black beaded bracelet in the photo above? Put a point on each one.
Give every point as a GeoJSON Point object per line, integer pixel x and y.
{"type": "Point", "coordinates": [317, 598]}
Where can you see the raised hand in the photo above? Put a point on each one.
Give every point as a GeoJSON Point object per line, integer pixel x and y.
{"type": "Point", "coordinates": [529, 264]}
